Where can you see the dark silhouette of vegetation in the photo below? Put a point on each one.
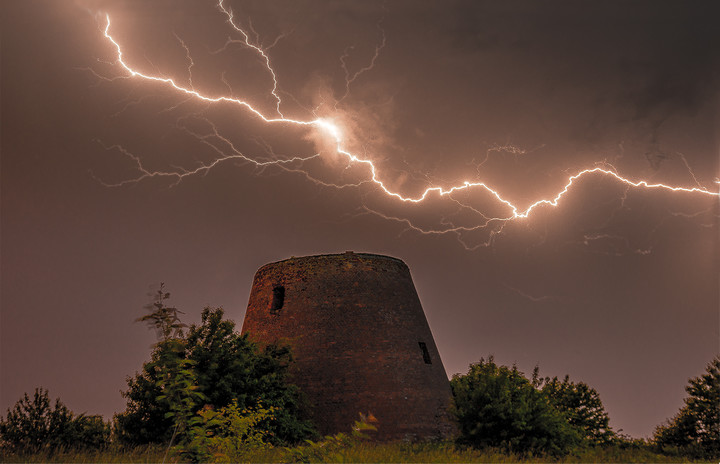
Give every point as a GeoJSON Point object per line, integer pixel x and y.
{"type": "Point", "coordinates": [695, 429]}
{"type": "Point", "coordinates": [497, 406]}
{"type": "Point", "coordinates": [166, 395]}
{"type": "Point", "coordinates": [33, 425]}
{"type": "Point", "coordinates": [581, 406]}
{"type": "Point", "coordinates": [334, 448]}
{"type": "Point", "coordinates": [218, 397]}
{"type": "Point", "coordinates": [230, 367]}
{"type": "Point", "coordinates": [208, 365]}
{"type": "Point", "coordinates": [144, 419]}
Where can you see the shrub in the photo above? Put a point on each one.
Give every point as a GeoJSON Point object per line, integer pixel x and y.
{"type": "Point", "coordinates": [209, 364]}
{"type": "Point", "coordinates": [582, 407]}
{"type": "Point", "coordinates": [33, 425]}
{"type": "Point", "coordinates": [695, 429]}
{"type": "Point", "coordinates": [498, 407]}
{"type": "Point", "coordinates": [332, 448]}
{"type": "Point", "coordinates": [230, 434]}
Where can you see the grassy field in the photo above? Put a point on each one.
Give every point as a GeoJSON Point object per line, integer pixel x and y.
{"type": "Point", "coordinates": [360, 453]}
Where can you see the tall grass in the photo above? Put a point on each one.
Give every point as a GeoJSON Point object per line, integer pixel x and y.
{"type": "Point", "coordinates": [112, 454]}
{"type": "Point", "coordinates": [442, 452]}
{"type": "Point", "coordinates": [364, 452]}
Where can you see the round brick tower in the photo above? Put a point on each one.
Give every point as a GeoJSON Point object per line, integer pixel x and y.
{"type": "Point", "coordinates": [360, 341]}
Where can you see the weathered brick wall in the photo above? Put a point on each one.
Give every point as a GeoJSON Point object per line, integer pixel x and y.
{"type": "Point", "coordinates": [355, 325]}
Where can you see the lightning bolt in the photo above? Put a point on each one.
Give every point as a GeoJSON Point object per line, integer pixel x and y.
{"type": "Point", "coordinates": [350, 78]}
{"type": "Point", "coordinates": [534, 299]}
{"type": "Point", "coordinates": [330, 130]}
{"type": "Point", "coordinates": [259, 50]}
{"type": "Point", "coordinates": [180, 173]}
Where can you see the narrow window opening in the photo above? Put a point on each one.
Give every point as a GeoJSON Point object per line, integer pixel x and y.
{"type": "Point", "coordinates": [278, 298]}
{"type": "Point", "coordinates": [425, 353]}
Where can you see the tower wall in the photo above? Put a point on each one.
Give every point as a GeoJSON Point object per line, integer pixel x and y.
{"type": "Point", "coordinates": [360, 341]}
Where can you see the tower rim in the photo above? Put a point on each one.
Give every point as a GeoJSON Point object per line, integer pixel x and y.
{"type": "Point", "coordinates": [345, 254]}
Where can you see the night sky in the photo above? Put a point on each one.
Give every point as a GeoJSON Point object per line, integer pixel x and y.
{"type": "Point", "coordinates": [617, 286]}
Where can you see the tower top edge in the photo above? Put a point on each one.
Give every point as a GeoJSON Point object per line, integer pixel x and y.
{"type": "Point", "coordinates": [348, 255]}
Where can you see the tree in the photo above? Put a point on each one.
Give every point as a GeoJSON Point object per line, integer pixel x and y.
{"type": "Point", "coordinates": [144, 419]}
{"type": "Point", "coordinates": [582, 407]}
{"type": "Point", "coordinates": [695, 429]}
{"type": "Point", "coordinates": [231, 368]}
{"type": "Point", "coordinates": [33, 425]}
{"type": "Point", "coordinates": [87, 432]}
{"type": "Point", "coordinates": [169, 377]}
{"type": "Point", "coordinates": [210, 364]}
{"type": "Point", "coordinates": [497, 406]}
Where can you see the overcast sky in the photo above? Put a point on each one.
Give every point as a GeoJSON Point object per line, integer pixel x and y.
{"type": "Point", "coordinates": [616, 286]}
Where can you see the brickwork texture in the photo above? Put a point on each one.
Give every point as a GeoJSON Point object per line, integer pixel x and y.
{"type": "Point", "coordinates": [360, 341]}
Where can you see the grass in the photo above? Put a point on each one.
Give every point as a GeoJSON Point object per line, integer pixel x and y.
{"type": "Point", "coordinates": [367, 452]}
{"type": "Point", "coordinates": [449, 453]}
{"type": "Point", "coordinates": [113, 454]}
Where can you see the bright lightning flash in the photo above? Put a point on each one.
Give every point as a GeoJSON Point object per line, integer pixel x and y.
{"type": "Point", "coordinates": [335, 135]}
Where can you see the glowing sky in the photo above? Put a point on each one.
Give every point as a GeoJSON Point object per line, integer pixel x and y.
{"type": "Point", "coordinates": [146, 143]}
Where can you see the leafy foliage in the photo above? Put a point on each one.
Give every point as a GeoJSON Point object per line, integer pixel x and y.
{"type": "Point", "coordinates": [230, 367]}
{"type": "Point", "coordinates": [33, 425]}
{"type": "Point", "coordinates": [87, 432]}
{"type": "Point", "coordinates": [695, 430]}
{"type": "Point", "coordinates": [164, 319]}
{"type": "Point", "coordinates": [498, 407]}
{"type": "Point", "coordinates": [210, 364]}
{"type": "Point", "coordinates": [332, 448]}
{"type": "Point", "coordinates": [582, 407]}
{"type": "Point", "coordinates": [144, 419]}
{"type": "Point", "coordinates": [169, 377]}
{"type": "Point", "coordinates": [227, 435]}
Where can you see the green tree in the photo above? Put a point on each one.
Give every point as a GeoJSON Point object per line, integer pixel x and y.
{"type": "Point", "coordinates": [211, 362]}
{"type": "Point", "coordinates": [87, 433]}
{"type": "Point", "coordinates": [231, 368]}
{"type": "Point", "coordinates": [33, 425]}
{"type": "Point", "coordinates": [582, 407]}
{"type": "Point", "coordinates": [499, 407]}
{"type": "Point", "coordinates": [145, 419]}
{"type": "Point", "coordinates": [175, 379]}
{"type": "Point", "coordinates": [695, 429]}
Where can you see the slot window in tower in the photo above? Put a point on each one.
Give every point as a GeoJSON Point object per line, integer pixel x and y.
{"type": "Point", "coordinates": [425, 353]}
{"type": "Point", "coordinates": [278, 298]}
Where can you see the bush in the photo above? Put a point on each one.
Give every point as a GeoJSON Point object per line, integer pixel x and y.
{"type": "Point", "coordinates": [333, 448]}
{"type": "Point", "coordinates": [144, 419]}
{"type": "Point", "coordinates": [33, 425]}
{"type": "Point", "coordinates": [227, 435]}
{"type": "Point", "coordinates": [231, 368]}
{"type": "Point", "coordinates": [209, 365]}
{"type": "Point", "coordinates": [498, 407]}
{"type": "Point", "coordinates": [695, 429]}
{"type": "Point", "coordinates": [582, 407]}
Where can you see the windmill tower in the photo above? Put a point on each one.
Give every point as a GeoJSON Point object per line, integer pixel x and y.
{"type": "Point", "coordinates": [359, 339]}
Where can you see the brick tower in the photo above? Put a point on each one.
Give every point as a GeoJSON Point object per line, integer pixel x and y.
{"type": "Point", "coordinates": [360, 341]}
